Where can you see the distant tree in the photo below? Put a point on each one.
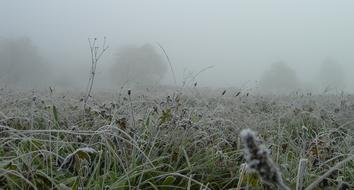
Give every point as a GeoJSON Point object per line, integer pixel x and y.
{"type": "Point", "coordinates": [20, 63]}
{"type": "Point", "coordinates": [139, 65]}
{"type": "Point", "coordinates": [331, 75]}
{"type": "Point", "coordinates": [279, 78]}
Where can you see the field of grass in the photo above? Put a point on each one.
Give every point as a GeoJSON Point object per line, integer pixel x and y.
{"type": "Point", "coordinates": [170, 139]}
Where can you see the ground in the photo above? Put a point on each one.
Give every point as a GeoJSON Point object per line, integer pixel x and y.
{"type": "Point", "coordinates": [157, 138]}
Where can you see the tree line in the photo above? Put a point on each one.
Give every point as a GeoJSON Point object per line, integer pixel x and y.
{"type": "Point", "coordinates": [21, 64]}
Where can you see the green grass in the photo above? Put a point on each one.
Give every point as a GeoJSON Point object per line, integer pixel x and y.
{"type": "Point", "coordinates": [186, 141]}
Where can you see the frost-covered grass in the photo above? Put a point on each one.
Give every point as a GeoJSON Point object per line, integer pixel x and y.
{"type": "Point", "coordinates": [169, 139]}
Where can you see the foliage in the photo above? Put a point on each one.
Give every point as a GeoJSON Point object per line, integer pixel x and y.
{"type": "Point", "coordinates": [182, 141]}
{"type": "Point", "coordinates": [21, 64]}
{"type": "Point", "coordinates": [279, 78]}
{"type": "Point", "coordinates": [139, 65]}
{"type": "Point", "coordinates": [332, 76]}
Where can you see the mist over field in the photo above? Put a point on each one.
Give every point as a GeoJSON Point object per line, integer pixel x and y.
{"type": "Point", "coordinates": [240, 40]}
{"type": "Point", "coordinates": [183, 94]}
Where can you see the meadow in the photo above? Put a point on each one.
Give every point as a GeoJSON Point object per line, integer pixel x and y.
{"type": "Point", "coordinates": [168, 138]}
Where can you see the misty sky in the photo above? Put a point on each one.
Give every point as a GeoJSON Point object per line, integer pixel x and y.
{"type": "Point", "coordinates": [240, 38]}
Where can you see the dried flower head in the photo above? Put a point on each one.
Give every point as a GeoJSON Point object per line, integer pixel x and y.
{"type": "Point", "coordinates": [257, 158]}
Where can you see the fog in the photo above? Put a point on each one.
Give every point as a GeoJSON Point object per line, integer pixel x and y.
{"type": "Point", "coordinates": [239, 41]}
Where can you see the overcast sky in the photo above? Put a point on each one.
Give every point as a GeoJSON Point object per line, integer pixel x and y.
{"type": "Point", "coordinates": [241, 38]}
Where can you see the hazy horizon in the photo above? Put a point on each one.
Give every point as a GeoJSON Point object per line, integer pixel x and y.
{"type": "Point", "coordinates": [240, 39]}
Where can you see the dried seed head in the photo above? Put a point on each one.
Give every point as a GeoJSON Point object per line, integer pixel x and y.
{"type": "Point", "coordinates": [257, 158]}
{"type": "Point", "coordinates": [343, 186]}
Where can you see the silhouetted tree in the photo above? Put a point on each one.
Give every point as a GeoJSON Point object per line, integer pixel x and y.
{"type": "Point", "coordinates": [20, 63]}
{"type": "Point", "coordinates": [331, 75]}
{"type": "Point", "coordinates": [139, 65]}
{"type": "Point", "coordinates": [279, 78]}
